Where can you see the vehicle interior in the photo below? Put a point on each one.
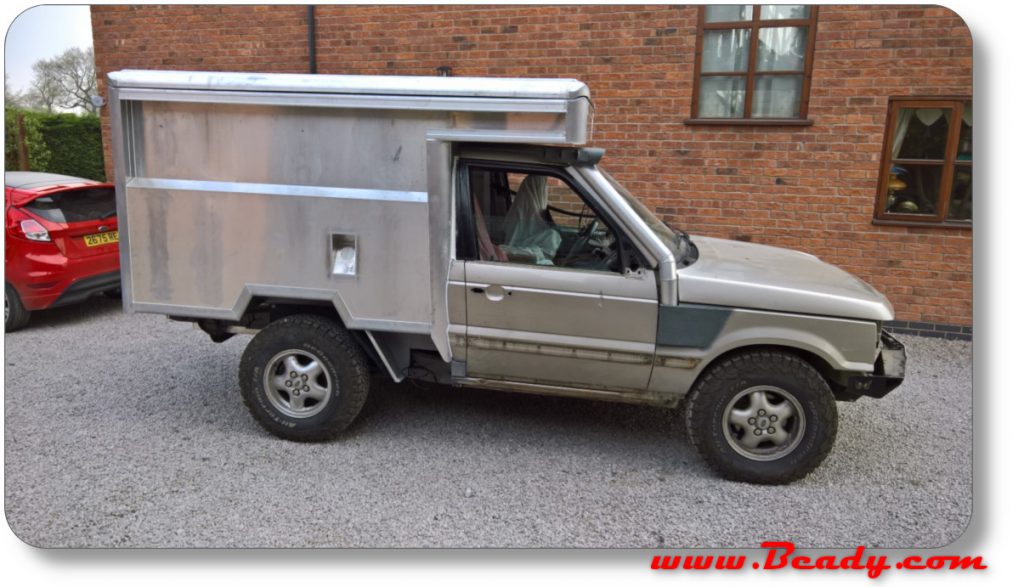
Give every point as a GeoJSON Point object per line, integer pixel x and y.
{"type": "Point", "coordinates": [535, 217]}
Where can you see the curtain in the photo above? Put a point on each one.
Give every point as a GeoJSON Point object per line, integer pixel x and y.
{"type": "Point", "coordinates": [926, 116]}
{"type": "Point", "coordinates": [725, 50]}
{"type": "Point", "coordinates": [781, 48]}
{"type": "Point", "coordinates": [902, 124]}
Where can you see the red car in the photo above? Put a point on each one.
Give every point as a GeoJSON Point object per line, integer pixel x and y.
{"type": "Point", "coordinates": [61, 235]}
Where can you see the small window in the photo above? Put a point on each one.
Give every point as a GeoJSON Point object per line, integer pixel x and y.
{"type": "Point", "coordinates": [926, 173]}
{"type": "Point", "coordinates": [753, 64]}
{"type": "Point", "coordinates": [535, 218]}
{"type": "Point", "coordinates": [75, 206]}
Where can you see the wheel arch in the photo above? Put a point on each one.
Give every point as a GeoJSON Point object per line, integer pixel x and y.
{"type": "Point", "coordinates": [832, 346]}
{"type": "Point", "coordinates": [820, 364]}
{"type": "Point", "coordinates": [261, 311]}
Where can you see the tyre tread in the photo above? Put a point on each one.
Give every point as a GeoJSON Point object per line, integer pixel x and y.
{"type": "Point", "coordinates": [19, 316]}
{"type": "Point", "coordinates": [733, 370]}
{"type": "Point", "coordinates": [356, 389]}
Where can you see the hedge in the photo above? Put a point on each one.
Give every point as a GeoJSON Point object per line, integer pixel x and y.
{"type": "Point", "coordinates": [58, 143]}
{"type": "Point", "coordinates": [38, 152]}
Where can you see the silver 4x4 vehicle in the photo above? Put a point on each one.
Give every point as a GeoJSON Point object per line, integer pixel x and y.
{"type": "Point", "coordinates": [457, 229]}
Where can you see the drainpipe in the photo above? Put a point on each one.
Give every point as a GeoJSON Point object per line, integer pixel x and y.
{"type": "Point", "coordinates": [311, 22]}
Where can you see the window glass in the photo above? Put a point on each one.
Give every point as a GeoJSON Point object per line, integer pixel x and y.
{"type": "Point", "coordinates": [915, 189]}
{"type": "Point", "coordinates": [777, 96]}
{"type": "Point", "coordinates": [736, 56]}
{"type": "Point", "coordinates": [538, 220]}
{"type": "Point", "coordinates": [725, 50]}
{"type": "Point", "coordinates": [960, 199]}
{"type": "Point", "coordinates": [76, 206]}
{"type": "Point", "coordinates": [921, 133]}
{"type": "Point", "coordinates": [781, 48]}
{"type": "Point", "coordinates": [928, 161]}
{"type": "Point", "coordinates": [964, 151]}
{"type": "Point", "coordinates": [665, 234]}
{"type": "Point", "coordinates": [722, 96]}
{"type": "Point", "coordinates": [784, 11]}
{"type": "Point", "coordinates": [728, 13]}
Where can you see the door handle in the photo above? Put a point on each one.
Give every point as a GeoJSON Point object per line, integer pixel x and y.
{"type": "Point", "coordinates": [495, 293]}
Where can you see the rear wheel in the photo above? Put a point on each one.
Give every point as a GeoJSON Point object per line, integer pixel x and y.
{"type": "Point", "coordinates": [762, 417]}
{"type": "Point", "coordinates": [15, 314]}
{"type": "Point", "coordinates": [304, 378]}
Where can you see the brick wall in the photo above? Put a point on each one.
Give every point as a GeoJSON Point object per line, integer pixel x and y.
{"type": "Point", "coordinates": [811, 188]}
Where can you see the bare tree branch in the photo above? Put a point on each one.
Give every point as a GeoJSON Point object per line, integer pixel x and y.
{"type": "Point", "coordinates": [67, 81]}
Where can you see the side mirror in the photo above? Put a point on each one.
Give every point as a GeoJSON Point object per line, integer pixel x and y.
{"type": "Point", "coordinates": [632, 262]}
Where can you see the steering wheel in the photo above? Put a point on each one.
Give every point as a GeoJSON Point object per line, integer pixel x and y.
{"type": "Point", "coordinates": [582, 238]}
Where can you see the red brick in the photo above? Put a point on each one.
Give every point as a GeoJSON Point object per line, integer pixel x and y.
{"type": "Point", "coordinates": [638, 61]}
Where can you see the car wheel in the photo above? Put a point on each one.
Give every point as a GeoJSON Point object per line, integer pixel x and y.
{"type": "Point", "coordinates": [762, 417]}
{"type": "Point", "coordinates": [304, 378]}
{"type": "Point", "coordinates": [113, 294]}
{"type": "Point", "coordinates": [15, 314]}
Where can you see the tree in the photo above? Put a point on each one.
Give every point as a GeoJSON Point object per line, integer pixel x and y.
{"type": "Point", "coordinates": [67, 81]}
{"type": "Point", "coordinates": [44, 91]}
{"type": "Point", "coordinates": [12, 98]}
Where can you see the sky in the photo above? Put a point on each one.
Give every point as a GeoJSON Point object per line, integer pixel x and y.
{"type": "Point", "coordinates": [42, 32]}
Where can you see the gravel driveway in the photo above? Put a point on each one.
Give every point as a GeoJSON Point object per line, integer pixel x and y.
{"type": "Point", "coordinates": [129, 431]}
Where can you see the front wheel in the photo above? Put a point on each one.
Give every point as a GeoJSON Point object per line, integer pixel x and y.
{"type": "Point", "coordinates": [304, 378]}
{"type": "Point", "coordinates": [762, 417]}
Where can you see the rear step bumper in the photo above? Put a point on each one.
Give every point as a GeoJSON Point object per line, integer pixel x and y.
{"type": "Point", "coordinates": [88, 287]}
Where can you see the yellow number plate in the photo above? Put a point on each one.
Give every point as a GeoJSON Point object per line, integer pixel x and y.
{"type": "Point", "coordinates": [103, 238]}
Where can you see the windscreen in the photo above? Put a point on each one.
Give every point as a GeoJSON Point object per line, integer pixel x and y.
{"type": "Point", "coordinates": [75, 206]}
{"type": "Point", "coordinates": [664, 233]}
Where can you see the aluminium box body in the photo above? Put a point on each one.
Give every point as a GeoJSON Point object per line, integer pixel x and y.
{"type": "Point", "coordinates": [336, 188]}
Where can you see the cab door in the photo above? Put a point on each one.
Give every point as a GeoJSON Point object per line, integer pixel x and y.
{"type": "Point", "coordinates": [567, 311]}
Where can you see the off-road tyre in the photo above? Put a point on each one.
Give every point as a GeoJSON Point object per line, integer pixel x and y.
{"type": "Point", "coordinates": [739, 378]}
{"type": "Point", "coordinates": [342, 362]}
{"type": "Point", "coordinates": [15, 314]}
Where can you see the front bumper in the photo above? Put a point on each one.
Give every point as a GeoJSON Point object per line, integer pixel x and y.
{"type": "Point", "coordinates": [890, 368]}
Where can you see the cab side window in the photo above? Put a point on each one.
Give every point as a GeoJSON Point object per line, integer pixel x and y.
{"type": "Point", "coordinates": [536, 218]}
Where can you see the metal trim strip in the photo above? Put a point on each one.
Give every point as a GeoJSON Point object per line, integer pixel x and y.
{"type": "Point", "coordinates": [275, 189]}
{"type": "Point", "coordinates": [476, 335]}
{"type": "Point", "coordinates": [502, 136]}
{"type": "Point", "coordinates": [118, 129]}
{"type": "Point", "coordinates": [231, 314]}
{"type": "Point", "coordinates": [383, 357]}
{"type": "Point", "coordinates": [574, 294]}
{"type": "Point", "coordinates": [474, 87]}
{"type": "Point", "coordinates": [642, 398]}
{"type": "Point", "coordinates": [439, 182]}
{"type": "Point", "coordinates": [375, 102]}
